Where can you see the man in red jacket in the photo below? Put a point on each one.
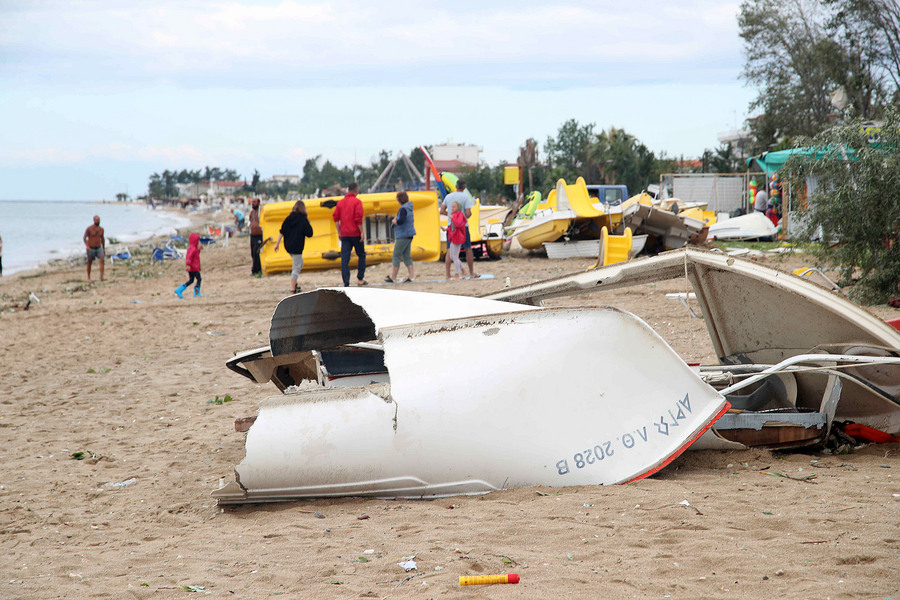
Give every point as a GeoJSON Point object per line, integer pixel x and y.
{"type": "Point", "coordinates": [348, 214]}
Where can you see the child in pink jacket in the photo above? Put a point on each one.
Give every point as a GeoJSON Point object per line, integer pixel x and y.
{"type": "Point", "coordinates": [192, 264]}
{"type": "Point", "coordinates": [456, 237]}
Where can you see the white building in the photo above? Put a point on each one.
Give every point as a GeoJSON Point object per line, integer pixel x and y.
{"type": "Point", "coordinates": [463, 154]}
{"type": "Point", "coordinates": [288, 179]}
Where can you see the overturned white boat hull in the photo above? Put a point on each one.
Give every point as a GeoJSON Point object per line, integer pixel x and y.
{"type": "Point", "coordinates": [752, 226]}
{"type": "Point", "coordinates": [470, 405]}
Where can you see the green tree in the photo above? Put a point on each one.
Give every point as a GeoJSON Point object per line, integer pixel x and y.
{"type": "Point", "coordinates": [486, 182]}
{"type": "Point", "coordinates": [722, 160]}
{"type": "Point", "coordinates": [613, 157]}
{"type": "Point", "coordinates": [871, 29]}
{"type": "Point", "coordinates": [791, 59]}
{"type": "Point", "coordinates": [155, 188]}
{"type": "Point", "coordinates": [812, 61]}
{"type": "Point", "coordinates": [569, 153]}
{"type": "Point", "coordinates": [417, 157]}
{"type": "Point", "coordinates": [855, 200]}
{"type": "Point", "coordinates": [309, 183]}
{"type": "Point", "coordinates": [170, 190]}
{"type": "Point", "coordinates": [618, 158]}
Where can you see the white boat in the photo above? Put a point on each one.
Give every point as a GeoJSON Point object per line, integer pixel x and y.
{"type": "Point", "coordinates": [568, 212]}
{"type": "Point", "coordinates": [588, 248]}
{"type": "Point", "coordinates": [752, 226]}
{"type": "Point", "coordinates": [406, 394]}
{"type": "Point", "coordinates": [807, 357]}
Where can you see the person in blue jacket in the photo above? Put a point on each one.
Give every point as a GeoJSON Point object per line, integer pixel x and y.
{"type": "Point", "coordinates": [404, 231]}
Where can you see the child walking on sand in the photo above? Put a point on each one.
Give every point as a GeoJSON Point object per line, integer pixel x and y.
{"type": "Point", "coordinates": [456, 237]}
{"type": "Point", "coordinates": [192, 264]}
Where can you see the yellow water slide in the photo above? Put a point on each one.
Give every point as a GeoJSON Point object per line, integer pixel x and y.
{"type": "Point", "coordinates": [575, 197]}
{"type": "Point", "coordinates": [323, 250]}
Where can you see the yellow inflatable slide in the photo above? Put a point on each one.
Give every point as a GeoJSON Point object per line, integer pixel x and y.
{"type": "Point", "coordinates": [323, 250]}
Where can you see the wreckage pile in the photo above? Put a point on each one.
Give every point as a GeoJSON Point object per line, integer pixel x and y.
{"type": "Point", "coordinates": [612, 403]}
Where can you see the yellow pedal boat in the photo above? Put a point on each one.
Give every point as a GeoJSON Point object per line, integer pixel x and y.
{"type": "Point", "coordinates": [323, 250]}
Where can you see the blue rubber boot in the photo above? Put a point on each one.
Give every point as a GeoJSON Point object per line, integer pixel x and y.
{"type": "Point", "coordinates": [197, 292]}
{"type": "Point", "coordinates": [180, 289]}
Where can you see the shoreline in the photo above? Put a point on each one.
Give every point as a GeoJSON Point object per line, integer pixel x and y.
{"type": "Point", "coordinates": [193, 220]}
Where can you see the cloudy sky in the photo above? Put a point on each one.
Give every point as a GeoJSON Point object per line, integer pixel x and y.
{"type": "Point", "coordinates": [96, 95]}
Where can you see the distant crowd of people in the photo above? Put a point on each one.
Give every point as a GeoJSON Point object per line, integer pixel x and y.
{"type": "Point", "coordinates": [348, 215]}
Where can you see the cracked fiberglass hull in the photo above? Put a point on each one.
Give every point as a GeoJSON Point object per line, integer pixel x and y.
{"type": "Point", "coordinates": [479, 402]}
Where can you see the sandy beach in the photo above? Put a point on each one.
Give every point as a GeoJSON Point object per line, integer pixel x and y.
{"type": "Point", "coordinates": [128, 375]}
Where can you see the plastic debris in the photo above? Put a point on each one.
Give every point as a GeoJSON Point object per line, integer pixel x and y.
{"type": "Point", "coordinates": [488, 579]}
{"type": "Point", "coordinates": [408, 565]}
{"type": "Point", "coordinates": [120, 484]}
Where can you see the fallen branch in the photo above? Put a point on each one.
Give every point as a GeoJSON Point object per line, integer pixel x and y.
{"type": "Point", "coordinates": [804, 479]}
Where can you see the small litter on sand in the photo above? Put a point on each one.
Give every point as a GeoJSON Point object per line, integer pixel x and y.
{"type": "Point", "coordinates": [120, 484]}
{"type": "Point", "coordinates": [408, 565]}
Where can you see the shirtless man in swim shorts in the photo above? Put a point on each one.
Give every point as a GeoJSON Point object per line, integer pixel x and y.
{"type": "Point", "coordinates": [95, 243]}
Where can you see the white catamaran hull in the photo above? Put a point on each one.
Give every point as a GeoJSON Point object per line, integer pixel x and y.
{"type": "Point", "coordinates": [538, 397]}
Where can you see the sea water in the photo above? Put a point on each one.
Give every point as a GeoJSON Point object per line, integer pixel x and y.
{"type": "Point", "coordinates": [35, 232]}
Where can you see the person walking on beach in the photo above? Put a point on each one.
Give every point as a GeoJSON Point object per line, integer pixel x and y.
{"type": "Point", "coordinates": [95, 243]}
{"type": "Point", "coordinates": [192, 265]}
{"type": "Point", "coordinates": [348, 214]}
{"type": "Point", "coordinates": [456, 237]}
{"type": "Point", "coordinates": [294, 230]}
{"type": "Point", "coordinates": [465, 204]}
{"type": "Point", "coordinates": [404, 231]}
{"type": "Point", "coordinates": [256, 237]}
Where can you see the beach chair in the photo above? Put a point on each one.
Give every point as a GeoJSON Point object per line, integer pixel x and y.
{"type": "Point", "coordinates": [121, 255]}
{"type": "Point", "coordinates": [167, 252]}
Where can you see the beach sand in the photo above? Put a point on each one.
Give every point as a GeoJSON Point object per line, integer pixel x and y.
{"type": "Point", "coordinates": [127, 373]}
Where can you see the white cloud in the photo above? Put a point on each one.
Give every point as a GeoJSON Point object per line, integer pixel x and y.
{"type": "Point", "coordinates": [297, 155]}
{"type": "Point", "coordinates": [117, 152]}
{"type": "Point", "coordinates": [302, 42]}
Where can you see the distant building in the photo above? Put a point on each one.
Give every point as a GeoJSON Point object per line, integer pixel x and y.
{"type": "Point", "coordinates": [192, 190]}
{"type": "Point", "coordinates": [740, 140]}
{"type": "Point", "coordinates": [226, 188]}
{"type": "Point", "coordinates": [455, 157]}
{"type": "Point", "coordinates": [688, 165]}
{"type": "Point", "coordinates": [288, 179]}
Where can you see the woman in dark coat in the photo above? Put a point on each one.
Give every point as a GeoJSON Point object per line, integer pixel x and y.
{"type": "Point", "coordinates": [294, 230]}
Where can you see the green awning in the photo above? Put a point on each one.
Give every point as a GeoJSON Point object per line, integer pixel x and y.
{"type": "Point", "coordinates": [769, 162]}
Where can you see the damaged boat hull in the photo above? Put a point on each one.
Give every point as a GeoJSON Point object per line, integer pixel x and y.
{"type": "Point", "coordinates": [539, 397]}
{"type": "Point", "coordinates": [757, 317]}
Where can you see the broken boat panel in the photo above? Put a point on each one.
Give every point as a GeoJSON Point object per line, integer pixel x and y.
{"type": "Point", "coordinates": [758, 317]}
{"type": "Point", "coordinates": [589, 412]}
